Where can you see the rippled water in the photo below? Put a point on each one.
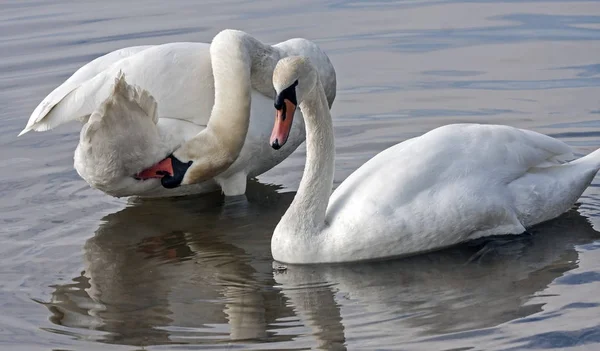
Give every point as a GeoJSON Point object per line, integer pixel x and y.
{"type": "Point", "coordinates": [80, 270]}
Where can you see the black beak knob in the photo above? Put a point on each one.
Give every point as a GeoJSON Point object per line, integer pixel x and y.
{"type": "Point", "coordinates": [276, 145]}
{"type": "Point", "coordinates": [179, 169]}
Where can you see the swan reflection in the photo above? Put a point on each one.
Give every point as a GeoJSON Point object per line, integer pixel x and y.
{"type": "Point", "coordinates": [179, 271]}
{"type": "Point", "coordinates": [472, 286]}
{"type": "Point", "coordinates": [186, 271]}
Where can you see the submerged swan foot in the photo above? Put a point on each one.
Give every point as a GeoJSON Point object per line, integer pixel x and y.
{"type": "Point", "coordinates": [235, 207]}
{"type": "Point", "coordinates": [501, 245]}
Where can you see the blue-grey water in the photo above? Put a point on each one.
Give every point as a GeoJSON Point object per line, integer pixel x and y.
{"type": "Point", "coordinates": [80, 270]}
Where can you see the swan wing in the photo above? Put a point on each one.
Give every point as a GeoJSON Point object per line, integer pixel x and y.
{"type": "Point", "coordinates": [494, 153]}
{"type": "Point", "coordinates": [452, 180]}
{"type": "Point", "coordinates": [120, 138]}
{"type": "Point", "coordinates": [40, 120]}
{"type": "Point", "coordinates": [177, 74]}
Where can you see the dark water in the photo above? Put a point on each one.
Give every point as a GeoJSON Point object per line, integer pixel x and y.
{"type": "Point", "coordinates": [83, 271]}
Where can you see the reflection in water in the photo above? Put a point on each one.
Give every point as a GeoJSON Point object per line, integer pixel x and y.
{"type": "Point", "coordinates": [478, 285]}
{"type": "Point", "coordinates": [179, 271]}
{"type": "Point", "coordinates": [187, 271]}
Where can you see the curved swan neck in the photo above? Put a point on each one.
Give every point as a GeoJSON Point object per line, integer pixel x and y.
{"type": "Point", "coordinates": [239, 63]}
{"type": "Point", "coordinates": [306, 214]}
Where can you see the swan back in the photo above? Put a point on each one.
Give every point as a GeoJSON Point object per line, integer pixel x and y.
{"type": "Point", "coordinates": [120, 139]}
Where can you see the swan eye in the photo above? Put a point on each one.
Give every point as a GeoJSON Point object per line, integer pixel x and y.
{"type": "Point", "coordinates": [288, 93]}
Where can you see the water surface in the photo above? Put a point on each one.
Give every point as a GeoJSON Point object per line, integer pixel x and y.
{"type": "Point", "coordinates": [80, 270]}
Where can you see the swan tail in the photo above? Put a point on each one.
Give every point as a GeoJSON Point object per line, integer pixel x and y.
{"type": "Point", "coordinates": [592, 159]}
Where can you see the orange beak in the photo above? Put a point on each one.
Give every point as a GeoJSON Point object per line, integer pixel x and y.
{"type": "Point", "coordinates": [159, 170]}
{"type": "Point", "coordinates": [283, 124]}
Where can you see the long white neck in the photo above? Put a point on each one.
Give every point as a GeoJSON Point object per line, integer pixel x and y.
{"type": "Point", "coordinates": [305, 218]}
{"type": "Point", "coordinates": [239, 63]}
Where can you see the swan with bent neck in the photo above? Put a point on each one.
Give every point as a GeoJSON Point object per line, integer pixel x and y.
{"type": "Point", "coordinates": [453, 184]}
{"type": "Point", "coordinates": [213, 115]}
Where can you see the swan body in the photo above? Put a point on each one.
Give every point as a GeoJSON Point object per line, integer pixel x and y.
{"type": "Point", "coordinates": [213, 112]}
{"type": "Point", "coordinates": [455, 183]}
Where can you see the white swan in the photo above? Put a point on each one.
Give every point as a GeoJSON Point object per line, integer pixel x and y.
{"type": "Point", "coordinates": [452, 184]}
{"type": "Point", "coordinates": [215, 117]}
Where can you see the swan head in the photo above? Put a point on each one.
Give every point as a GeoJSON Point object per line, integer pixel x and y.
{"type": "Point", "coordinates": [197, 160]}
{"type": "Point", "coordinates": [293, 78]}
{"type": "Point", "coordinates": [120, 139]}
